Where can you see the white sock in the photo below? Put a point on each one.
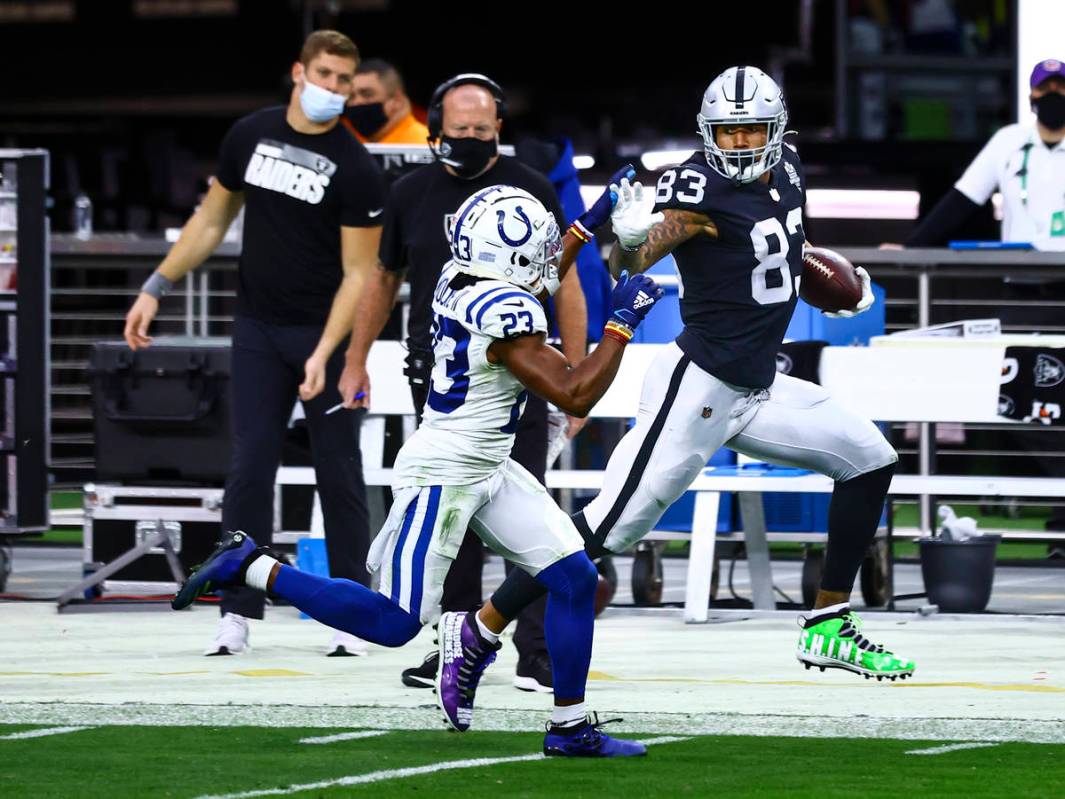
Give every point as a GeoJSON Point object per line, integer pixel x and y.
{"type": "Point", "coordinates": [487, 634]}
{"type": "Point", "coordinates": [568, 715]}
{"type": "Point", "coordinates": [258, 572]}
{"type": "Point", "coordinates": [814, 614]}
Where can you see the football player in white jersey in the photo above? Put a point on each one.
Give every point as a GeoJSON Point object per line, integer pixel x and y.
{"type": "Point", "coordinates": [455, 472]}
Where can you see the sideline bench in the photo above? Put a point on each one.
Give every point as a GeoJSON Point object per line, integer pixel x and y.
{"type": "Point", "coordinates": [944, 381]}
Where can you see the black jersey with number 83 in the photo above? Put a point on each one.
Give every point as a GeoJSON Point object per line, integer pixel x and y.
{"type": "Point", "coordinates": [738, 290]}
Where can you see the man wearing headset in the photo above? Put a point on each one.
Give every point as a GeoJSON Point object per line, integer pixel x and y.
{"type": "Point", "coordinates": [1026, 163]}
{"type": "Point", "coordinates": [465, 116]}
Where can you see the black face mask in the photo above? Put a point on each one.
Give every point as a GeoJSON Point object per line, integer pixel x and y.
{"type": "Point", "coordinates": [467, 156]}
{"type": "Point", "coordinates": [368, 118]}
{"type": "Point", "coordinates": [1050, 110]}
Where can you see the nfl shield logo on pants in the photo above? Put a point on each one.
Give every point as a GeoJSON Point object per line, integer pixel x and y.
{"type": "Point", "coordinates": [707, 411]}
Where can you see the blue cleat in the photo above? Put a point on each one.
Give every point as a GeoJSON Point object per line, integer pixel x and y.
{"type": "Point", "coordinates": [224, 567]}
{"type": "Point", "coordinates": [587, 740]}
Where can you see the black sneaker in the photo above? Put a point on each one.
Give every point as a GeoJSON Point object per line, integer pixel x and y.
{"type": "Point", "coordinates": [534, 673]}
{"type": "Point", "coordinates": [423, 676]}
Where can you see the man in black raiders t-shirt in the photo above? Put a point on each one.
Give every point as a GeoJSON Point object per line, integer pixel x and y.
{"type": "Point", "coordinates": [465, 117]}
{"type": "Point", "coordinates": [313, 200]}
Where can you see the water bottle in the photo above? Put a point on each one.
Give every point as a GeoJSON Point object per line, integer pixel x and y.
{"type": "Point", "coordinates": [82, 216]}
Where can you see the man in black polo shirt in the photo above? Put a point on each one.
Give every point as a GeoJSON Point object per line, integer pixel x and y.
{"type": "Point", "coordinates": [313, 201]}
{"type": "Point", "coordinates": [465, 117]}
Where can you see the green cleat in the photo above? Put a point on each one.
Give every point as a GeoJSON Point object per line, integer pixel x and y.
{"type": "Point", "coordinates": [835, 641]}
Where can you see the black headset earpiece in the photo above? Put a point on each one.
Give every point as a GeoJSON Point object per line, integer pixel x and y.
{"type": "Point", "coordinates": [435, 115]}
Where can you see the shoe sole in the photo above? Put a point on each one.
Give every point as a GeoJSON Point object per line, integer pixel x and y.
{"type": "Point", "coordinates": [343, 652]}
{"type": "Point", "coordinates": [419, 682]}
{"type": "Point", "coordinates": [223, 651]}
{"type": "Point", "coordinates": [823, 663]}
{"type": "Point", "coordinates": [188, 593]}
{"type": "Point", "coordinates": [451, 618]}
{"type": "Point", "coordinates": [532, 685]}
{"type": "Point", "coordinates": [190, 589]}
{"type": "Point", "coordinates": [551, 752]}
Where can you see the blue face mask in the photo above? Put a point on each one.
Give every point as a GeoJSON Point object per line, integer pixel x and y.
{"type": "Point", "coordinates": [320, 105]}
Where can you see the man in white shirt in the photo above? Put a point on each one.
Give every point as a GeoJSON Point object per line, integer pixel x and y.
{"type": "Point", "coordinates": [1026, 163]}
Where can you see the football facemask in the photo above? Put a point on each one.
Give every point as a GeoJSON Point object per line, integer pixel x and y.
{"type": "Point", "coordinates": [743, 96]}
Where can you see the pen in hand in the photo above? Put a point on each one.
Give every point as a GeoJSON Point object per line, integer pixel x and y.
{"type": "Point", "coordinates": [340, 405]}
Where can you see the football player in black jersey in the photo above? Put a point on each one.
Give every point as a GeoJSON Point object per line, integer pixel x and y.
{"type": "Point", "coordinates": [731, 215]}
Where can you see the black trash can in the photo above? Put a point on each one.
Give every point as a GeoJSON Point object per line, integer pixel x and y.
{"type": "Point", "coordinates": [958, 575]}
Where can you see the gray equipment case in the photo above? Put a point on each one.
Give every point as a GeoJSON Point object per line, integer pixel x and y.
{"type": "Point", "coordinates": [118, 518]}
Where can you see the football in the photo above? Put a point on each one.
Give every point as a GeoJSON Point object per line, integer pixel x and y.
{"type": "Point", "coordinates": [604, 592]}
{"type": "Point", "coordinates": [829, 281]}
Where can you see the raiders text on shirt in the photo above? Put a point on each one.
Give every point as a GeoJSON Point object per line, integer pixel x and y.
{"type": "Point", "coordinates": [299, 173]}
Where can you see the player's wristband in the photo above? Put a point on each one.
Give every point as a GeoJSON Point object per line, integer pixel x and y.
{"type": "Point", "coordinates": [580, 231]}
{"type": "Point", "coordinates": [630, 249]}
{"type": "Point", "coordinates": [617, 330]}
{"type": "Point", "coordinates": [157, 285]}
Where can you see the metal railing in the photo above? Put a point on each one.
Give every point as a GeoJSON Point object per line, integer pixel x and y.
{"type": "Point", "coordinates": [1024, 288]}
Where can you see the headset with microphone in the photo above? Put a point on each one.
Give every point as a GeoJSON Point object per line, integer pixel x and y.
{"type": "Point", "coordinates": [435, 116]}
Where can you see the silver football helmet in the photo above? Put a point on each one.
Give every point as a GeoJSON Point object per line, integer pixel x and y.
{"type": "Point", "coordinates": [743, 95]}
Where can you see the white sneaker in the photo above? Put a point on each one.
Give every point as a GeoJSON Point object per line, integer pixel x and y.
{"type": "Point", "coordinates": [346, 645]}
{"type": "Point", "coordinates": [231, 637]}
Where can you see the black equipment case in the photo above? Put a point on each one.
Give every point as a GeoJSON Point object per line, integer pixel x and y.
{"type": "Point", "coordinates": [161, 414]}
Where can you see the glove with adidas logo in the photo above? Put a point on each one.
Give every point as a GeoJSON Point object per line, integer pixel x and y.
{"type": "Point", "coordinates": [632, 298]}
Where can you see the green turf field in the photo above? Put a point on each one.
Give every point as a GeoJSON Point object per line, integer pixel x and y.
{"type": "Point", "coordinates": [116, 762]}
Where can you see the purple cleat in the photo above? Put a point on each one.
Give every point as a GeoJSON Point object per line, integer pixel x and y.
{"type": "Point", "coordinates": [464, 655]}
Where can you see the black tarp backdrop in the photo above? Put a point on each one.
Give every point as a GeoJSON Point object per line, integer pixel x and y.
{"type": "Point", "coordinates": [133, 107]}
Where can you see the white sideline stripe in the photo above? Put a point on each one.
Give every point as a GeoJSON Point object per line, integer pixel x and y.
{"type": "Point", "coordinates": [399, 773]}
{"type": "Point", "coordinates": [905, 728]}
{"type": "Point", "coordinates": [939, 750]}
{"type": "Point", "coordinates": [344, 736]}
{"type": "Point", "coordinates": [20, 736]}
{"type": "Point", "coordinates": [665, 739]}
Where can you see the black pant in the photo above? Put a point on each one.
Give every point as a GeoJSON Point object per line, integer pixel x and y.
{"type": "Point", "coordinates": [463, 589]}
{"type": "Point", "coordinates": [267, 370]}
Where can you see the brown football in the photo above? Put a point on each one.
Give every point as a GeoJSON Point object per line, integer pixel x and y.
{"type": "Point", "coordinates": [829, 281]}
{"type": "Point", "coordinates": [604, 592]}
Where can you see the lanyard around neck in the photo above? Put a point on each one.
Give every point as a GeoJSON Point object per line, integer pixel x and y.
{"type": "Point", "coordinates": [1022, 173]}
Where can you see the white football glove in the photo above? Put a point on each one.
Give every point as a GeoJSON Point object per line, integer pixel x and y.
{"type": "Point", "coordinates": [631, 218]}
{"type": "Point", "coordinates": [864, 304]}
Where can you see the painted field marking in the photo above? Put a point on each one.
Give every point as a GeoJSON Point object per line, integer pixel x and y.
{"type": "Point", "coordinates": [20, 736]}
{"type": "Point", "coordinates": [940, 750]}
{"type": "Point", "coordinates": [602, 676]}
{"type": "Point", "coordinates": [665, 739]}
{"type": "Point", "coordinates": [343, 736]}
{"type": "Point", "coordinates": [54, 673]}
{"type": "Point", "coordinates": [399, 773]}
{"type": "Point", "coordinates": [1023, 729]}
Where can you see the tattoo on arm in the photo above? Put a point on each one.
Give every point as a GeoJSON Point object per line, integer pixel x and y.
{"type": "Point", "coordinates": [677, 227]}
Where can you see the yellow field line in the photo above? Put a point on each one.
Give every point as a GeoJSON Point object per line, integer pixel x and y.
{"type": "Point", "coordinates": [980, 686]}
